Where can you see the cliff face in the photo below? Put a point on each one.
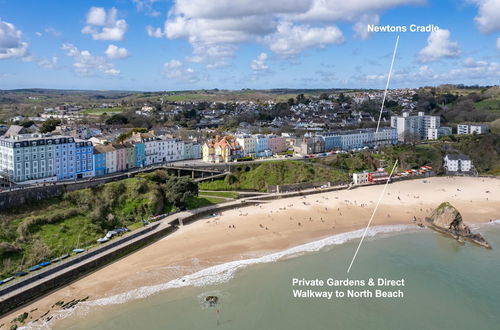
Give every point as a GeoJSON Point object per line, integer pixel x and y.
{"type": "Point", "coordinates": [446, 219]}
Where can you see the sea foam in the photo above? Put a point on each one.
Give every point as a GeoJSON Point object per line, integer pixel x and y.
{"type": "Point", "coordinates": [223, 272]}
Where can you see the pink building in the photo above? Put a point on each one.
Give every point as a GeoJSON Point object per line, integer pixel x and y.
{"type": "Point", "coordinates": [120, 157]}
{"type": "Point", "coordinates": [277, 144]}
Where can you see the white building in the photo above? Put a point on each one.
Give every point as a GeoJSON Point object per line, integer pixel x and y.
{"type": "Point", "coordinates": [457, 163]}
{"type": "Point", "coordinates": [416, 126]}
{"type": "Point", "coordinates": [168, 150]}
{"type": "Point", "coordinates": [436, 133]}
{"type": "Point", "coordinates": [471, 129]}
{"type": "Point", "coordinates": [360, 178]}
{"type": "Point", "coordinates": [248, 143]}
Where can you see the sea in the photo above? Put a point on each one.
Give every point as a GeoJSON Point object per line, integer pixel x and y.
{"type": "Point", "coordinates": [437, 283]}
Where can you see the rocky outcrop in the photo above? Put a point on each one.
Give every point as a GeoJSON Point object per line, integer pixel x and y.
{"type": "Point", "coordinates": [446, 219]}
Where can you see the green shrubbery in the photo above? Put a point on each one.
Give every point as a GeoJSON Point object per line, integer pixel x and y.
{"type": "Point", "coordinates": [78, 218]}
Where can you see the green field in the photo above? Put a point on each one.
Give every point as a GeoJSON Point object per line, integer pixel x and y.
{"type": "Point", "coordinates": [488, 104]}
{"type": "Point", "coordinates": [201, 201]}
{"type": "Point", "coordinates": [191, 97]}
{"type": "Point", "coordinates": [226, 194]}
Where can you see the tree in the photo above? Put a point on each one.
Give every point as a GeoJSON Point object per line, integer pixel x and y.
{"type": "Point", "coordinates": [301, 98]}
{"type": "Point", "coordinates": [49, 125]}
{"type": "Point", "coordinates": [323, 96]}
{"type": "Point", "coordinates": [117, 119]}
{"type": "Point", "coordinates": [411, 138]}
{"type": "Point", "coordinates": [27, 124]}
{"type": "Point", "coordinates": [179, 189]}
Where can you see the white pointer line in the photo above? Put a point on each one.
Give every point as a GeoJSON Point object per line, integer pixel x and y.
{"type": "Point", "coordinates": [387, 84]}
{"type": "Point", "coordinates": [373, 214]}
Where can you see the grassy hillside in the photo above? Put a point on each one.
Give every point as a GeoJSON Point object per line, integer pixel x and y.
{"type": "Point", "coordinates": [258, 177]}
{"type": "Point", "coordinates": [50, 228]}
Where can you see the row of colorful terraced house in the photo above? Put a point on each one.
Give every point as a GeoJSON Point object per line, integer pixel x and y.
{"type": "Point", "coordinates": [37, 158]}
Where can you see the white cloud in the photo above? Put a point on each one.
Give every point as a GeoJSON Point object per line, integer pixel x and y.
{"type": "Point", "coordinates": [334, 10]}
{"type": "Point", "coordinates": [38, 34]}
{"type": "Point", "coordinates": [472, 69]}
{"type": "Point", "coordinates": [488, 17]}
{"type": "Point", "coordinates": [260, 62]}
{"type": "Point", "coordinates": [146, 6]}
{"type": "Point", "coordinates": [96, 16]}
{"type": "Point", "coordinates": [11, 43]}
{"type": "Point", "coordinates": [154, 33]}
{"type": "Point", "coordinates": [291, 40]}
{"type": "Point", "coordinates": [219, 26]}
{"type": "Point", "coordinates": [115, 53]}
{"type": "Point", "coordinates": [86, 64]}
{"type": "Point", "coordinates": [102, 25]}
{"type": "Point", "coordinates": [175, 69]}
{"type": "Point", "coordinates": [439, 46]}
{"type": "Point", "coordinates": [361, 26]}
{"type": "Point", "coordinates": [48, 63]}
{"type": "Point", "coordinates": [53, 32]}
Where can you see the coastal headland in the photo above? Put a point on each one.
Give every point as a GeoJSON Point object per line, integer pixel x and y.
{"type": "Point", "coordinates": [273, 226]}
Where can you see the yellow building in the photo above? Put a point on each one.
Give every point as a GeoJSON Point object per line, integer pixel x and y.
{"type": "Point", "coordinates": [222, 150]}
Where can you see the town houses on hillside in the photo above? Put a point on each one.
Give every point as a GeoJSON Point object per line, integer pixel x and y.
{"type": "Point", "coordinates": [36, 158]}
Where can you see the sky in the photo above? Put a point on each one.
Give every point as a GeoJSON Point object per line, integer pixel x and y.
{"type": "Point", "coordinates": [154, 45]}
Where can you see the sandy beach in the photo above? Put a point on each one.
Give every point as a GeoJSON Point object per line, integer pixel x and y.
{"type": "Point", "coordinates": [274, 226]}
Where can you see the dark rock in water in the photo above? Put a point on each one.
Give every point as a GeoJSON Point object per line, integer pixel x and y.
{"type": "Point", "coordinates": [446, 219]}
{"type": "Point", "coordinates": [212, 300]}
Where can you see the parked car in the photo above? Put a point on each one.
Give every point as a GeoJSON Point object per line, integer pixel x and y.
{"type": "Point", "coordinates": [8, 279]}
{"type": "Point", "coordinates": [102, 240]}
{"type": "Point", "coordinates": [34, 268]}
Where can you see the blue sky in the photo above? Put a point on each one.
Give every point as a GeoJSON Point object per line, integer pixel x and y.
{"type": "Point", "coordinates": [193, 44]}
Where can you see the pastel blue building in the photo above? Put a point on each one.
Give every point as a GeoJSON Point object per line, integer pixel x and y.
{"type": "Point", "coordinates": [140, 154]}
{"type": "Point", "coordinates": [360, 138]}
{"type": "Point", "coordinates": [37, 158]}
{"type": "Point", "coordinates": [99, 161]}
{"type": "Point", "coordinates": [84, 159]}
{"type": "Point", "coordinates": [332, 140]}
{"type": "Point", "coordinates": [64, 158]}
{"type": "Point", "coordinates": [262, 146]}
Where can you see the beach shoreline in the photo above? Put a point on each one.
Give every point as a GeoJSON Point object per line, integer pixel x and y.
{"type": "Point", "coordinates": [278, 225]}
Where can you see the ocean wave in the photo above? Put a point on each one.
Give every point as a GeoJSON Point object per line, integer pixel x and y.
{"type": "Point", "coordinates": [224, 272]}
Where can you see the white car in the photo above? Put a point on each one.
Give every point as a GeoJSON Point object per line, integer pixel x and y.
{"type": "Point", "coordinates": [111, 233]}
{"type": "Point", "coordinates": [102, 240]}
